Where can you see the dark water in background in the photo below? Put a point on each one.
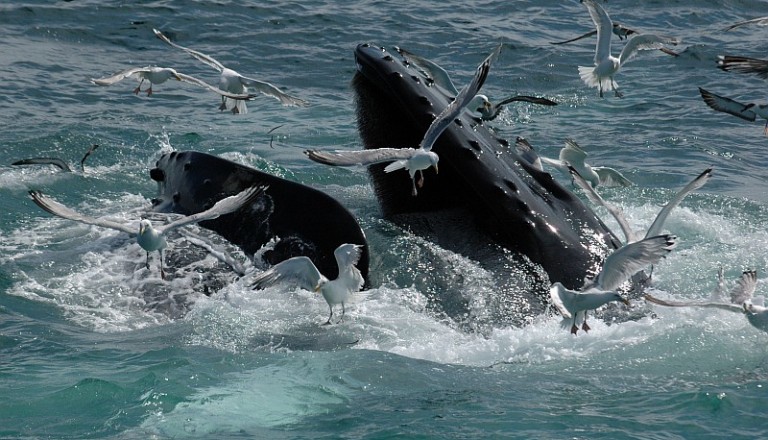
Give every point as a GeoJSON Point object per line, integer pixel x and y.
{"type": "Point", "coordinates": [92, 348]}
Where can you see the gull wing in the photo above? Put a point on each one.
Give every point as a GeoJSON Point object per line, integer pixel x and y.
{"type": "Point", "coordinates": [526, 151]}
{"type": "Point", "coordinates": [743, 65]}
{"type": "Point", "coordinates": [201, 83]}
{"type": "Point", "coordinates": [87, 153]}
{"type": "Point", "coordinates": [588, 34]}
{"type": "Point", "coordinates": [727, 105]}
{"type": "Point", "coordinates": [571, 153]}
{"type": "Point", "coordinates": [449, 113]}
{"type": "Point", "coordinates": [199, 55]}
{"type": "Point", "coordinates": [610, 177]}
{"type": "Point", "coordinates": [595, 198]}
{"type": "Point", "coordinates": [53, 207]}
{"type": "Point", "coordinates": [631, 258]}
{"type": "Point", "coordinates": [299, 270]}
{"type": "Point", "coordinates": [556, 294]}
{"type": "Point", "coordinates": [430, 69]}
{"type": "Point", "coordinates": [604, 29]}
{"type": "Point", "coordinates": [222, 207]}
{"type": "Point", "coordinates": [119, 76]}
{"type": "Point", "coordinates": [525, 98]}
{"type": "Point", "coordinates": [644, 42]}
{"type": "Point", "coordinates": [745, 287]}
{"type": "Point", "coordinates": [760, 21]}
{"type": "Point", "coordinates": [658, 223]}
{"type": "Point", "coordinates": [348, 255]}
{"type": "Point", "coordinates": [713, 305]}
{"type": "Point", "coordinates": [270, 90]}
{"type": "Point", "coordinates": [55, 161]}
{"type": "Point", "coordinates": [361, 157]}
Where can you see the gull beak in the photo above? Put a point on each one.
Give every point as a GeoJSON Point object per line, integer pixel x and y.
{"type": "Point", "coordinates": [317, 288]}
{"type": "Point", "coordinates": [178, 78]}
{"type": "Point", "coordinates": [625, 301]}
{"type": "Point", "coordinates": [141, 229]}
{"type": "Point", "coordinates": [435, 167]}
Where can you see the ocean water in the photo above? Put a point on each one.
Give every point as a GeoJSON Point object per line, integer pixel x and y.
{"type": "Point", "coordinates": [92, 345]}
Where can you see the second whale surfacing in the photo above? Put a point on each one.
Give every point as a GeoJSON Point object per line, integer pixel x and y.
{"type": "Point", "coordinates": [485, 194]}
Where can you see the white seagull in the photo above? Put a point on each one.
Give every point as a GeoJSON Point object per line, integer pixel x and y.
{"type": "Point", "coordinates": [151, 238]}
{"type": "Point", "coordinates": [748, 112]}
{"type": "Point", "coordinates": [618, 267]}
{"type": "Point", "coordinates": [303, 272]}
{"type": "Point", "coordinates": [658, 223]}
{"type": "Point", "coordinates": [232, 82]}
{"type": "Point", "coordinates": [480, 103]}
{"type": "Point", "coordinates": [572, 154]}
{"type": "Point", "coordinates": [606, 65]}
{"type": "Point", "coordinates": [741, 301]}
{"type": "Point", "coordinates": [412, 160]}
{"type": "Point", "coordinates": [159, 75]}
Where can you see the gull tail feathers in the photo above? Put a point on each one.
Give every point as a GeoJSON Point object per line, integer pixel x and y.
{"type": "Point", "coordinates": [394, 166]}
{"type": "Point", "coordinates": [591, 79]}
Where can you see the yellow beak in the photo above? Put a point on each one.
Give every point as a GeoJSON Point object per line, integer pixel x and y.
{"type": "Point", "coordinates": [435, 167]}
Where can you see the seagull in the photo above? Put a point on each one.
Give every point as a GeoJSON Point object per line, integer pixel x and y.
{"type": "Point", "coordinates": [748, 112]}
{"type": "Point", "coordinates": [55, 161]}
{"type": "Point", "coordinates": [760, 21]}
{"type": "Point", "coordinates": [731, 63]}
{"type": "Point", "coordinates": [412, 160]}
{"type": "Point", "coordinates": [606, 65]}
{"type": "Point", "coordinates": [661, 217]}
{"type": "Point", "coordinates": [618, 267]}
{"type": "Point", "coordinates": [159, 75]}
{"type": "Point", "coordinates": [480, 103]}
{"type": "Point", "coordinates": [742, 301]}
{"type": "Point", "coordinates": [232, 82]}
{"type": "Point", "coordinates": [303, 272]}
{"type": "Point", "coordinates": [572, 154]}
{"type": "Point", "coordinates": [152, 238]}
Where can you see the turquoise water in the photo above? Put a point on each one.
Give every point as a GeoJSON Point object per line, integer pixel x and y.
{"type": "Point", "coordinates": [94, 346]}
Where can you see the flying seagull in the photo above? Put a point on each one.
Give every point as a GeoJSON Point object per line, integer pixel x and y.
{"type": "Point", "coordinates": [412, 160]}
{"type": "Point", "coordinates": [572, 154]}
{"type": "Point", "coordinates": [158, 75]}
{"type": "Point", "coordinates": [618, 267]}
{"type": "Point", "coordinates": [606, 65]}
{"type": "Point", "coordinates": [232, 82]}
{"type": "Point", "coordinates": [741, 301]}
{"type": "Point", "coordinates": [55, 161]}
{"type": "Point", "coordinates": [151, 238]}
{"type": "Point", "coordinates": [748, 112]}
{"type": "Point", "coordinates": [658, 223]}
{"type": "Point", "coordinates": [480, 103]}
{"type": "Point", "coordinates": [303, 272]}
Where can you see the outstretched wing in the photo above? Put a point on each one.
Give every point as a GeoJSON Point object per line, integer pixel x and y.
{"type": "Point", "coordinates": [201, 83]}
{"type": "Point", "coordinates": [362, 157]}
{"type": "Point", "coordinates": [610, 177]}
{"type": "Point", "coordinates": [727, 105]}
{"type": "Point", "coordinates": [644, 42]}
{"type": "Point", "coordinates": [449, 113]}
{"type": "Point", "coordinates": [595, 198]}
{"type": "Point", "coordinates": [745, 287]}
{"type": "Point", "coordinates": [713, 305]}
{"type": "Point", "coordinates": [270, 90]}
{"type": "Point", "coordinates": [743, 65]}
{"type": "Point", "coordinates": [632, 258]}
{"type": "Point", "coordinates": [604, 28]}
{"type": "Point", "coordinates": [760, 21]}
{"type": "Point", "coordinates": [299, 270]}
{"type": "Point", "coordinates": [348, 254]}
{"type": "Point", "coordinates": [430, 69]}
{"type": "Point", "coordinates": [527, 153]}
{"type": "Point", "coordinates": [57, 209]}
{"type": "Point", "coordinates": [588, 34]}
{"type": "Point", "coordinates": [119, 76]}
{"type": "Point", "coordinates": [658, 223]}
{"type": "Point", "coordinates": [524, 98]}
{"type": "Point", "coordinates": [209, 60]}
{"type": "Point", "coordinates": [55, 161]}
{"type": "Point", "coordinates": [556, 294]}
{"type": "Point", "coordinates": [222, 207]}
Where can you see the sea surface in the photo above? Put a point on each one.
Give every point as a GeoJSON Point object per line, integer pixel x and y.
{"type": "Point", "coordinates": [94, 345]}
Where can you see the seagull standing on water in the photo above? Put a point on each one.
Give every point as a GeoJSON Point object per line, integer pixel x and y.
{"type": "Point", "coordinates": [151, 238]}
{"type": "Point", "coordinates": [742, 301]}
{"type": "Point", "coordinates": [606, 65]}
{"type": "Point", "coordinates": [303, 272]}
{"type": "Point", "coordinates": [412, 160]}
{"type": "Point", "coordinates": [232, 82]}
{"type": "Point", "coordinates": [159, 75]}
{"type": "Point", "coordinates": [618, 267]}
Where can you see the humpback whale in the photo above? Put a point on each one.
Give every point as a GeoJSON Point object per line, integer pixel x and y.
{"type": "Point", "coordinates": [486, 194]}
{"type": "Point", "coordinates": [305, 221]}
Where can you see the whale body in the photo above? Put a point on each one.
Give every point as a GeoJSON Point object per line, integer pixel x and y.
{"type": "Point", "coordinates": [485, 193]}
{"type": "Point", "coordinates": [306, 221]}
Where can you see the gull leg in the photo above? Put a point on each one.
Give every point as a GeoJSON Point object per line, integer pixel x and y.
{"type": "Point", "coordinates": [574, 329]}
{"type": "Point", "coordinates": [223, 105]}
{"type": "Point", "coordinates": [149, 90]}
{"type": "Point", "coordinates": [765, 130]}
{"type": "Point", "coordinates": [414, 192]}
{"type": "Point", "coordinates": [147, 259]}
{"type": "Point", "coordinates": [138, 88]}
{"type": "Point", "coordinates": [420, 182]}
{"type": "Point", "coordinates": [162, 270]}
{"type": "Point", "coordinates": [584, 325]}
{"type": "Point", "coordinates": [328, 322]}
{"type": "Point", "coordinates": [616, 89]}
{"type": "Point", "coordinates": [342, 314]}
{"type": "Point", "coordinates": [235, 110]}
{"type": "Point", "coordinates": [600, 88]}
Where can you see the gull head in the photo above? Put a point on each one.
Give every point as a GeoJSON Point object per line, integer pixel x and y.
{"type": "Point", "coordinates": [144, 226]}
{"type": "Point", "coordinates": [481, 104]}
